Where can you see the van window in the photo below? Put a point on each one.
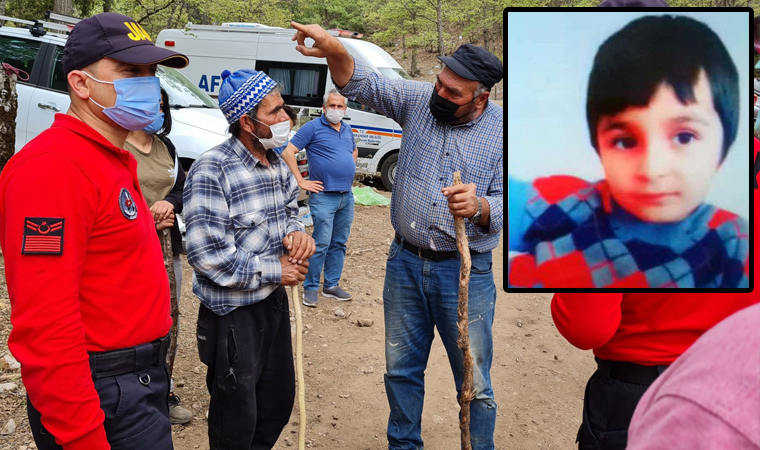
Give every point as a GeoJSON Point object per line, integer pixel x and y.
{"type": "Point", "coordinates": [300, 84]}
{"type": "Point", "coordinates": [20, 53]}
{"type": "Point", "coordinates": [182, 92]}
{"type": "Point", "coordinates": [57, 81]}
{"type": "Point", "coordinates": [361, 107]}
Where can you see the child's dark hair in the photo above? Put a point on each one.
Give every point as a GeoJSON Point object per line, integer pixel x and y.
{"type": "Point", "coordinates": [633, 62]}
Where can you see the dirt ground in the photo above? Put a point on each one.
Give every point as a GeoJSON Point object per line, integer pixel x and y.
{"type": "Point", "coordinates": [538, 378]}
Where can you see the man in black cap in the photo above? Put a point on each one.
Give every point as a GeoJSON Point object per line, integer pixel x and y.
{"type": "Point", "coordinates": [89, 293]}
{"type": "Point", "coordinates": [448, 126]}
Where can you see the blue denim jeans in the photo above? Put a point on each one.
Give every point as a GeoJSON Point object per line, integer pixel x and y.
{"type": "Point", "coordinates": [421, 294]}
{"type": "Point", "coordinates": [332, 213]}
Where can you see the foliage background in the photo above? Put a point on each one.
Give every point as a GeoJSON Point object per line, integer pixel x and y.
{"type": "Point", "coordinates": [418, 28]}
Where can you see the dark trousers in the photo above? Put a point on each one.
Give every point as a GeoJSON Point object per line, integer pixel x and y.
{"type": "Point", "coordinates": [250, 373]}
{"type": "Point", "coordinates": [612, 393]}
{"type": "Point", "coordinates": [137, 412]}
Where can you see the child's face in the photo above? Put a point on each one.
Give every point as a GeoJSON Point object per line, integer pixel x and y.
{"type": "Point", "coordinates": [660, 159]}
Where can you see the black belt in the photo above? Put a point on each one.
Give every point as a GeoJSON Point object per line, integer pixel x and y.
{"type": "Point", "coordinates": [129, 360]}
{"type": "Point", "coordinates": [424, 253]}
{"type": "Point", "coordinates": [632, 373]}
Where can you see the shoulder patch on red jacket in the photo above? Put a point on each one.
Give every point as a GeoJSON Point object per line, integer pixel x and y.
{"type": "Point", "coordinates": [42, 236]}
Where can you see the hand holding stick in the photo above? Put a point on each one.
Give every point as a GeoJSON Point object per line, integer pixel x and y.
{"type": "Point", "coordinates": [463, 342]}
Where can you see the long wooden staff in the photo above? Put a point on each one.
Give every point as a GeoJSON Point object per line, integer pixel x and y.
{"type": "Point", "coordinates": [463, 342]}
{"type": "Point", "coordinates": [299, 366]}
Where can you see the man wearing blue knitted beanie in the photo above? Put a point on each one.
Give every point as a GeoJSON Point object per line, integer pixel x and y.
{"type": "Point", "coordinates": [240, 211]}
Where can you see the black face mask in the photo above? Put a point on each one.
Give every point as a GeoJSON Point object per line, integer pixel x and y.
{"type": "Point", "coordinates": [445, 110]}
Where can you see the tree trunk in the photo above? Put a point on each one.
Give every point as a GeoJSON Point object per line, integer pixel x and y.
{"type": "Point", "coordinates": [485, 27]}
{"type": "Point", "coordinates": [65, 7]}
{"type": "Point", "coordinates": [8, 109]}
{"type": "Point", "coordinates": [403, 47]}
{"type": "Point", "coordinates": [439, 9]}
{"type": "Point", "coordinates": [2, 9]}
{"type": "Point", "coordinates": [107, 5]}
{"type": "Point", "coordinates": [414, 71]}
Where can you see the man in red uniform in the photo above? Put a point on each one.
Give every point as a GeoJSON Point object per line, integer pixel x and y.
{"type": "Point", "coordinates": [89, 293]}
{"type": "Point", "coordinates": [635, 337]}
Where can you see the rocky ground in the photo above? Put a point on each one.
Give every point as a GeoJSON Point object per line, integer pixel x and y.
{"type": "Point", "coordinates": [538, 378]}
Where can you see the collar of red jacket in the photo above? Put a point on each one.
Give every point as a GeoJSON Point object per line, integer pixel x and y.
{"type": "Point", "coordinates": [75, 125]}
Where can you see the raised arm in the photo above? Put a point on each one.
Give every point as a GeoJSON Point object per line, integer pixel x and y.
{"type": "Point", "coordinates": [341, 64]}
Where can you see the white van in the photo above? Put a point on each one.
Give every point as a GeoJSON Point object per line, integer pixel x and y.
{"type": "Point", "coordinates": [303, 80]}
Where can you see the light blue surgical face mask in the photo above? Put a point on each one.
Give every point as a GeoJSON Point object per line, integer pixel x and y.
{"type": "Point", "coordinates": [156, 125]}
{"type": "Point", "coordinates": [137, 101]}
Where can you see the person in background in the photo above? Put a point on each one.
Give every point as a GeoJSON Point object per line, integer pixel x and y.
{"type": "Point", "coordinates": [162, 181]}
{"type": "Point", "coordinates": [332, 152]}
{"type": "Point", "coordinates": [635, 337]}
{"type": "Point", "coordinates": [292, 115]}
{"type": "Point", "coordinates": [710, 397]}
{"type": "Point", "coordinates": [241, 211]}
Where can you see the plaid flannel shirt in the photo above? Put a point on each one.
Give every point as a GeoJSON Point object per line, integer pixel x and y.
{"type": "Point", "coordinates": [430, 154]}
{"type": "Point", "coordinates": [237, 212]}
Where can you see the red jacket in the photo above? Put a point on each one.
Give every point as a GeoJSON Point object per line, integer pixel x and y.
{"type": "Point", "coordinates": [647, 329]}
{"type": "Point", "coordinates": [84, 270]}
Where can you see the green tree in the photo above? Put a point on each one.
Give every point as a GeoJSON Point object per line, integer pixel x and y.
{"type": "Point", "coordinates": [404, 20]}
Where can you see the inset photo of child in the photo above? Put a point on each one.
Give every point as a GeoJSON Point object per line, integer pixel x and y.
{"type": "Point", "coordinates": [628, 150]}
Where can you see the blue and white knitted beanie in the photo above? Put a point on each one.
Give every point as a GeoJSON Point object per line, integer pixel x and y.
{"type": "Point", "coordinates": [242, 91]}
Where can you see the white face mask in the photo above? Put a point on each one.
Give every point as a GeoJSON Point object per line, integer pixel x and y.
{"type": "Point", "coordinates": [335, 115]}
{"type": "Point", "coordinates": [279, 137]}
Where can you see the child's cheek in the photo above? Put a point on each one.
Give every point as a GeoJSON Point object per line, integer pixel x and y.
{"type": "Point", "coordinates": [620, 170]}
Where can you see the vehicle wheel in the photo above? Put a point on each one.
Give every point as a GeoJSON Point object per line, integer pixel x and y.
{"type": "Point", "coordinates": [388, 171]}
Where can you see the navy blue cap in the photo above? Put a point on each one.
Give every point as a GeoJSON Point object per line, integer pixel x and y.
{"type": "Point", "coordinates": [118, 37]}
{"type": "Point", "coordinates": [635, 3]}
{"type": "Point", "coordinates": [475, 63]}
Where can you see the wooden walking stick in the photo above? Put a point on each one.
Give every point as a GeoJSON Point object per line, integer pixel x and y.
{"type": "Point", "coordinates": [299, 366]}
{"type": "Point", "coordinates": [463, 342]}
{"type": "Point", "coordinates": [166, 248]}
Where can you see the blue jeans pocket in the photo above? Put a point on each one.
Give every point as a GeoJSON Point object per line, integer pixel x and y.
{"type": "Point", "coordinates": [482, 264]}
{"type": "Point", "coordinates": [394, 250]}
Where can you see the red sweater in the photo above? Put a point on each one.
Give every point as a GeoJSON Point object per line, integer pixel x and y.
{"type": "Point", "coordinates": [647, 329]}
{"type": "Point", "coordinates": [84, 271]}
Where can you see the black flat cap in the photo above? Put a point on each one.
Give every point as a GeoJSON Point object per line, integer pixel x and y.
{"type": "Point", "coordinates": [635, 3]}
{"type": "Point", "coordinates": [117, 37]}
{"type": "Point", "coordinates": [475, 63]}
